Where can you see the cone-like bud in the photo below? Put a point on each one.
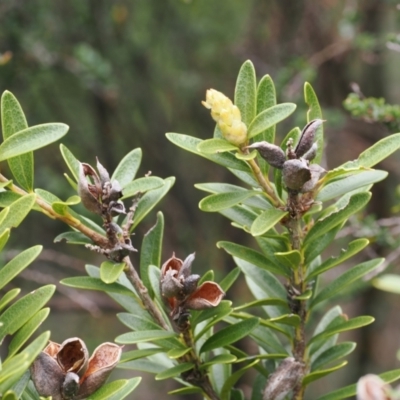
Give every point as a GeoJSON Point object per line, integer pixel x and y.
{"type": "Point", "coordinates": [295, 174]}
{"type": "Point", "coordinates": [307, 137]}
{"type": "Point", "coordinates": [372, 387]}
{"type": "Point", "coordinates": [271, 153]}
{"type": "Point", "coordinates": [227, 116]}
{"type": "Point", "coordinates": [284, 379]}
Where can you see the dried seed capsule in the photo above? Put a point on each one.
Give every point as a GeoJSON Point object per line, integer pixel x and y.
{"type": "Point", "coordinates": [310, 155]}
{"type": "Point", "coordinates": [295, 174]}
{"type": "Point", "coordinates": [307, 137]}
{"type": "Point", "coordinates": [316, 172]}
{"type": "Point", "coordinates": [271, 153]}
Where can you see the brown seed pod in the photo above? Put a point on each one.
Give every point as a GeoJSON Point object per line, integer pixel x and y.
{"type": "Point", "coordinates": [307, 137]}
{"type": "Point", "coordinates": [271, 153]}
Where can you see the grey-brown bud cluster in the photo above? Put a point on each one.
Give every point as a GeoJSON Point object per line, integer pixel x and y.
{"type": "Point", "coordinates": [297, 172]}
{"type": "Point", "coordinates": [65, 371]}
{"type": "Point", "coordinates": [180, 289]}
{"type": "Point", "coordinates": [99, 194]}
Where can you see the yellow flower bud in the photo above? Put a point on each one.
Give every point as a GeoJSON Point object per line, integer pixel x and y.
{"type": "Point", "coordinates": [227, 116]}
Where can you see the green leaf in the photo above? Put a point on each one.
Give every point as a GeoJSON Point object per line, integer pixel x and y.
{"type": "Point", "coordinates": [345, 185]}
{"type": "Point", "coordinates": [211, 146]}
{"type": "Point", "coordinates": [314, 112]}
{"type": "Point", "coordinates": [240, 215]}
{"type": "Point", "coordinates": [174, 371]}
{"type": "Point", "coordinates": [150, 200]}
{"type": "Point", "coordinates": [9, 396]}
{"type": "Point", "coordinates": [245, 92]}
{"type": "Point", "coordinates": [13, 120]}
{"type": "Point", "coordinates": [356, 203]}
{"type": "Point", "coordinates": [291, 259]}
{"type": "Point", "coordinates": [14, 367]}
{"type": "Point", "coordinates": [17, 264]}
{"type": "Point", "coordinates": [31, 139]}
{"type": "Point", "coordinates": [354, 323]}
{"type": "Point", "coordinates": [150, 252]}
{"type": "Point", "coordinates": [379, 151]}
{"type": "Point", "coordinates": [22, 385]}
{"type": "Point", "coordinates": [173, 354]}
{"type": "Point", "coordinates": [270, 117]}
{"type": "Point", "coordinates": [267, 220]}
{"type": "Point", "coordinates": [8, 297]}
{"type": "Point", "coordinates": [127, 168]}
{"type": "Point", "coordinates": [351, 390]}
{"type": "Point", "coordinates": [313, 376]}
{"type": "Point", "coordinates": [354, 247]}
{"type": "Point", "coordinates": [229, 279]}
{"type": "Point", "coordinates": [183, 391]}
{"type": "Point", "coordinates": [345, 279]}
{"type": "Point", "coordinates": [287, 319]}
{"type": "Point", "coordinates": [71, 161]}
{"type": "Point", "coordinates": [144, 336]}
{"type": "Point", "coordinates": [27, 331]}
{"type": "Point", "coordinates": [219, 359]}
{"type": "Point", "coordinates": [7, 198]}
{"type": "Point", "coordinates": [220, 201]}
{"type": "Point", "coordinates": [253, 257]}
{"type": "Point", "coordinates": [21, 311]}
{"type": "Point", "coordinates": [332, 354]}
{"type": "Point", "coordinates": [73, 237]}
{"type": "Point", "coordinates": [388, 283]}
{"type": "Point", "coordinates": [251, 156]}
{"type": "Point", "coordinates": [110, 271]}
{"type": "Point", "coordinates": [116, 390]}
{"type": "Point", "coordinates": [261, 302]}
{"type": "Point", "coordinates": [17, 212]}
{"type": "Point", "coordinates": [225, 391]}
{"type": "Point", "coordinates": [141, 185]}
{"type": "Point", "coordinates": [216, 313]}
{"type": "Point", "coordinates": [190, 143]}
{"type": "Point", "coordinates": [138, 323]}
{"type": "Point", "coordinates": [230, 334]}
{"type": "Point", "coordinates": [137, 354]}
{"type": "Point", "coordinates": [90, 283]}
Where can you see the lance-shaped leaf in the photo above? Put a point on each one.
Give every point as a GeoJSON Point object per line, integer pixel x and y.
{"type": "Point", "coordinates": [71, 161]}
{"type": "Point", "coordinates": [17, 212]}
{"type": "Point", "coordinates": [144, 336]}
{"type": "Point", "coordinates": [174, 371]}
{"type": "Point", "coordinates": [356, 203]}
{"type": "Point", "coordinates": [128, 167]}
{"type": "Point", "coordinates": [291, 259]}
{"type": "Point", "coordinates": [150, 200]}
{"type": "Point", "coordinates": [17, 264]}
{"type": "Point", "coordinates": [150, 252]}
{"type": "Point", "coordinates": [354, 247]}
{"type": "Point", "coordinates": [190, 143]}
{"type": "Point", "coordinates": [245, 92]}
{"type": "Point", "coordinates": [90, 283]}
{"type": "Point", "coordinates": [270, 117]}
{"type": "Point", "coordinates": [229, 279]}
{"type": "Point", "coordinates": [141, 185]}
{"type": "Point", "coordinates": [21, 311]}
{"type": "Point", "coordinates": [116, 390]}
{"type": "Point", "coordinates": [212, 146]}
{"type": "Point", "coordinates": [351, 390]}
{"type": "Point", "coordinates": [388, 282]}
{"type": "Point", "coordinates": [8, 297]}
{"type": "Point", "coordinates": [230, 334]}
{"type": "Point", "coordinates": [345, 185]}
{"type": "Point", "coordinates": [13, 121]}
{"type": "Point", "coordinates": [334, 353]}
{"type": "Point", "coordinates": [231, 381]}
{"type": "Point", "coordinates": [266, 220]}
{"type": "Point", "coordinates": [347, 278]}
{"type": "Point", "coordinates": [220, 201]}
{"type": "Point", "coordinates": [27, 331]}
{"type": "Point", "coordinates": [354, 323]}
{"type": "Point", "coordinates": [313, 376]}
{"type": "Point", "coordinates": [377, 152]}
{"type": "Point", "coordinates": [62, 207]}
{"type": "Point", "coordinates": [253, 257]}
{"type": "Point", "coordinates": [32, 138]}
{"type": "Point", "coordinates": [314, 112]}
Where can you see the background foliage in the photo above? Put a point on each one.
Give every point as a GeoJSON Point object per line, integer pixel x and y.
{"type": "Point", "coordinates": [122, 73]}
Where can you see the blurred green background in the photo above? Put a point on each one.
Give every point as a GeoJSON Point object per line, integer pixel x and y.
{"type": "Point", "coordinates": [122, 73]}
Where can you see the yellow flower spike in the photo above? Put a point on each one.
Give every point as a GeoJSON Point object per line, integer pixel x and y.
{"type": "Point", "coordinates": [227, 116]}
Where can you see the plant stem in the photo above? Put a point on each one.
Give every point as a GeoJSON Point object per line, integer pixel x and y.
{"type": "Point", "coordinates": [196, 376]}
